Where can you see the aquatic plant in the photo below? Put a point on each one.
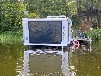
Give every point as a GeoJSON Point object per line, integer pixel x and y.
{"type": "Point", "coordinates": [96, 36]}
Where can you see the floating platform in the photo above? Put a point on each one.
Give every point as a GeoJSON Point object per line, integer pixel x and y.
{"type": "Point", "coordinates": [84, 41]}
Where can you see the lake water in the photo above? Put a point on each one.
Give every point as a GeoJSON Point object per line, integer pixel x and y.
{"type": "Point", "coordinates": [15, 61]}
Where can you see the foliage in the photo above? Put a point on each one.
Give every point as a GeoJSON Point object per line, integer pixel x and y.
{"type": "Point", "coordinates": [73, 12]}
{"type": "Point", "coordinates": [32, 15]}
{"type": "Point", "coordinates": [12, 13]}
{"type": "Point", "coordinates": [75, 20]}
{"type": "Point", "coordinates": [72, 8]}
{"type": "Point", "coordinates": [90, 10]}
{"type": "Point", "coordinates": [96, 36]}
{"type": "Point", "coordinates": [50, 7]}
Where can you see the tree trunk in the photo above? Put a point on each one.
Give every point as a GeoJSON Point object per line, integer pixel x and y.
{"type": "Point", "coordinates": [98, 15]}
{"type": "Point", "coordinates": [78, 8]}
{"type": "Point", "coordinates": [87, 11]}
{"type": "Point", "coordinates": [91, 10]}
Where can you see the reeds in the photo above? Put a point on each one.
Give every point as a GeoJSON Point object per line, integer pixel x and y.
{"type": "Point", "coordinates": [96, 36]}
{"type": "Point", "coordinates": [11, 37]}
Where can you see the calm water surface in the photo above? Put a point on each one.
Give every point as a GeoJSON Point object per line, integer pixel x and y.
{"type": "Point", "coordinates": [14, 61]}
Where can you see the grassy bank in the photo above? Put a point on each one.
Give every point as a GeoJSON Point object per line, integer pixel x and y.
{"type": "Point", "coordinates": [11, 37]}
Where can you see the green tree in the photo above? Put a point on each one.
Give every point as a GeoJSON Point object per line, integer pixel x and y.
{"type": "Point", "coordinates": [72, 8]}
{"type": "Point", "coordinates": [89, 10]}
{"type": "Point", "coordinates": [11, 14]}
{"type": "Point", "coordinates": [50, 7]}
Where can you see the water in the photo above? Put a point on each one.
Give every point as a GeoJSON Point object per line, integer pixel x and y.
{"type": "Point", "coordinates": [48, 63]}
{"type": "Point", "coordinates": [14, 61]}
{"type": "Point", "coordinates": [11, 60]}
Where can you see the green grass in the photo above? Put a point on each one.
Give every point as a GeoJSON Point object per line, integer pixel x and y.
{"type": "Point", "coordinates": [11, 37]}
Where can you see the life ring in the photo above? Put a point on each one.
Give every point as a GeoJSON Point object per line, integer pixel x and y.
{"type": "Point", "coordinates": [76, 44]}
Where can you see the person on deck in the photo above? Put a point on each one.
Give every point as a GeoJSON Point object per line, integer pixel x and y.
{"type": "Point", "coordinates": [81, 33]}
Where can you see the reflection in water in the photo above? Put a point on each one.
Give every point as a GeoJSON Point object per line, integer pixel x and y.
{"type": "Point", "coordinates": [65, 64]}
{"type": "Point", "coordinates": [26, 65]}
{"type": "Point", "coordinates": [48, 63]}
{"type": "Point", "coordinates": [11, 57]}
{"type": "Point", "coordinates": [82, 49]}
{"type": "Point", "coordinates": [66, 67]}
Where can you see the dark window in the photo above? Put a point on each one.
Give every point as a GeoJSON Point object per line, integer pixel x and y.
{"type": "Point", "coordinates": [48, 32]}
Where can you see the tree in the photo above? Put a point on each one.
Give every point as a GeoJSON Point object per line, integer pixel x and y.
{"type": "Point", "coordinates": [12, 13]}
{"type": "Point", "coordinates": [89, 10]}
{"type": "Point", "coordinates": [50, 7]}
{"type": "Point", "coordinates": [72, 8]}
